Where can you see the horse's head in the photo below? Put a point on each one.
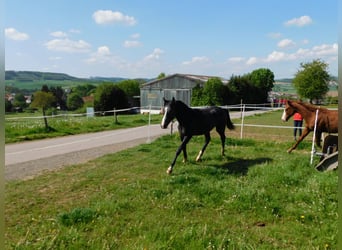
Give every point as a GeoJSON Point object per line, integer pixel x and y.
{"type": "Point", "coordinates": [169, 112]}
{"type": "Point", "coordinates": [289, 111]}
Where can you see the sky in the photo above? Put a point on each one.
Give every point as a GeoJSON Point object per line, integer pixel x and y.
{"type": "Point", "coordinates": [141, 39]}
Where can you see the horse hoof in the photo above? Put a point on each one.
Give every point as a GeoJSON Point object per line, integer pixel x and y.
{"type": "Point", "coordinates": [289, 151]}
{"type": "Point", "coordinates": [169, 170]}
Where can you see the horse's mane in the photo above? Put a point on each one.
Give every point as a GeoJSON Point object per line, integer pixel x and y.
{"type": "Point", "coordinates": [182, 105]}
{"type": "Point", "coordinates": [311, 107]}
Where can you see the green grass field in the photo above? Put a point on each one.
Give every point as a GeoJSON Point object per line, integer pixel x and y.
{"type": "Point", "coordinates": [19, 129]}
{"type": "Point", "coordinates": [256, 197]}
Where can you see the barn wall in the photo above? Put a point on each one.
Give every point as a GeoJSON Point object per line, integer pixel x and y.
{"type": "Point", "coordinates": [177, 86]}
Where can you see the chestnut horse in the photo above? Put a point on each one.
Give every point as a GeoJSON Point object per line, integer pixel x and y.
{"type": "Point", "coordinates": [192, 122]}
{"type": "Point", "coordinates": [327, 120]}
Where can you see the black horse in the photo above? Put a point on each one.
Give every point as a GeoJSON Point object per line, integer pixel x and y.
{"type": "Point", "coordinates": [195, 122]}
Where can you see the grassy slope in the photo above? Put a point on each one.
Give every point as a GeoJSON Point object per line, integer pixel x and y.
{"type": "Point", "coordinates": [256, 197]}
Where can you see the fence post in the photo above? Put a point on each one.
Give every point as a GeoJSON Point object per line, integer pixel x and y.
{"type": "Point", "coordinates": [115, 117]}
{"type": "Point", "coordinates": [313, 139]}
{"type": "Point", "coordinates": [149, 124]}
{"type": "Point", "coordinates": [242, 120]}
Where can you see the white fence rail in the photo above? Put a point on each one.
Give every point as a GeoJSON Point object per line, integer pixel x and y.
{"type": "Point", "coordinates": [243, 109]}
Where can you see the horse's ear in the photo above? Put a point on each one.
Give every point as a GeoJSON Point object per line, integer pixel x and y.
{"type": "Point", "coordinates": [173, 99]}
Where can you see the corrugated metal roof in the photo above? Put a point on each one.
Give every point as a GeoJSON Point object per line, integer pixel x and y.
{"type": "Point", "coordinates": [201, 78]}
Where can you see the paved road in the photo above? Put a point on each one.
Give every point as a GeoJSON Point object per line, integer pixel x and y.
{"type": "Point", "coordinates": [23, 160]}
{"type": "Point", "coordinates": [30, 158]}
{"type": "Point", "coordinates": [27, 151]}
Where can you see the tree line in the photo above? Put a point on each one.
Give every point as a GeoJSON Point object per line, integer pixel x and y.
{"type": "Point", "coordinates": [311, 82]}
{"type": "Point", "coordinates": [249, 88]}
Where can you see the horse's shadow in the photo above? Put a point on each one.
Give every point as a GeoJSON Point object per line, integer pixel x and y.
{"type": "Point", "coordinates": [239, 166]}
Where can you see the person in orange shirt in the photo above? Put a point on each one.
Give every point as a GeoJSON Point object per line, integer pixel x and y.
{"type": "Point", "coordinates": [298, 123]}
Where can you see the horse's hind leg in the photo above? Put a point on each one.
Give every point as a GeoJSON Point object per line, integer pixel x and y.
{"type": "Point", "coordinates": [318, 138]}
{"type": "Point", "coordinates": [305, 133]}
{"type": "Point", "coordinates": [207, 140]}
{"type": "Point", "coordinates": [223, 141]}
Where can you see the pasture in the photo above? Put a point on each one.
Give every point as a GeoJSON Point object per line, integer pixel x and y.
{"type": "Point", "coordinates": [256, 197]}
{"type": "Point", "coordinates": [24, 127]}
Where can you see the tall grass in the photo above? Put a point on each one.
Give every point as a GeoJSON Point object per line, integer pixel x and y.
{"type": "Point", "coordinates": [256, 197]}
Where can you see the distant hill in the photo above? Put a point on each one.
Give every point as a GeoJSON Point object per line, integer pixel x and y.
{"type": "Point", "coordinates": [284, 80]}
{"type": "Point", "coordinates": [31, 81]}
{"type": "Point", "coordinates": [107, 79]}
{"type": "Point", "coordinates": [29, 76]}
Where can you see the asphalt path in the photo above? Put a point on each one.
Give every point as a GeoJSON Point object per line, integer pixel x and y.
{"type": "Point", "coordinates": [30, 158]}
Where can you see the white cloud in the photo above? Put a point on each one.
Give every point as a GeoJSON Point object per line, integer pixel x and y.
{"type": "Point", "coordinates": [102, 55]}
{"type": "Point", "coordinates": [59, 34]}
{"type": "Point", "coordinates": [75, 31]}
{"type": "Point", "coordinates": [104, 51]}
{"type": "Point", "coordinates": [132, 44]}
{"type": "Point", "coordinates": [13, 34]}
{"type": "Point", "coordinates": [286, 43]}
{"type": "Point", "coordinates": [299, 22]}
{"type": "Point", "coordinates": [305, 41]}
{"type": "Point", "coordinates": [236, 59]}
{"type": "Point", "coordinates": [67, 45]}
{"type": "Point", "coordinates": [155, 55]}
{"type": "Point", "coordinates": [252, 60]}
{"type": "Point", "coordinates": [324, 51]}
{"type": "Point", "coordinates": [275, 56]}
{"type": "Point", "coordinates": [55, 58]}
{"type": "Point", "coordinates": [135, 36]}
{"type": "Point", "coordinates": [197, 59]}
{"type": "Point", "coordinates": [108, 16]}
{"type": "Point", "coordinates": [275, 35]}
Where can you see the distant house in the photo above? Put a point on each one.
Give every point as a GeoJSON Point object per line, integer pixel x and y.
{"type": "Point", "coordinates": [88, 99]}
{"type": "Point", "coordinates": [178, 86]}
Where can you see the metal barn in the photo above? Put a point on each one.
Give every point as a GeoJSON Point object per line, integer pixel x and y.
{"type": "Point", "coordinates": [178, 86]}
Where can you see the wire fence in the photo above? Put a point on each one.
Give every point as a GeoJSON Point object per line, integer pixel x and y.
{"type": "Point", "coordinates": [238, 112]}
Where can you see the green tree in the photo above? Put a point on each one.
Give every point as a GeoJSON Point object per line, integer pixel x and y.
{"type": "Point", "coordinates": [20, 101]}
{"type": "Point", "coordinates": [197, 96]}
{"type": "Point", "coordinates": [312, 80]}
{"type": "Point", "coordinates": [8, 106]}
{"type": "Point", "coordinates": [60, 96]}
{"type": "Point", "coordinates": [108, 97]}
{"type": "Point", "coordinates": [263, 81]}
{"type": "Point", "coordinates": [43, 100]}
{"type": "Point", "coordinates": [74, 101]}
{"type": "Point", "coordinates": [212, 92]}
{"type": "Point", "coordinates": [130, 87]}
{"type": "Point", "coordinates": [83, 89]}
{"type": "Point", "coordinates": [161, 75]}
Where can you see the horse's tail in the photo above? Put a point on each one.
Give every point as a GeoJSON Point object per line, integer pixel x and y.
{"type": "Point", "coordinates": [230, 124]}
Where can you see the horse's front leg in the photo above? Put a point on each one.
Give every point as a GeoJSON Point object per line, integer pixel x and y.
{"type": "Point", "coordinates": [180, 148]}
{"type": "Point", "coordinates": [304, 134]}
{"type": "Point", "coordinates": [207, 140]}
{"type": "Point", "coordinates": [185, 155]}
